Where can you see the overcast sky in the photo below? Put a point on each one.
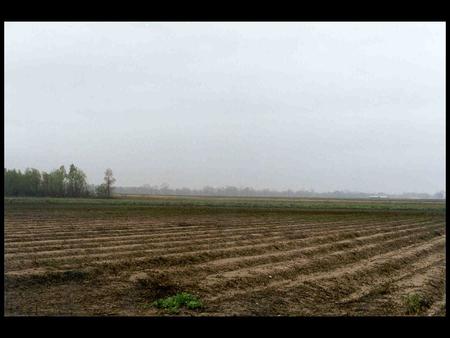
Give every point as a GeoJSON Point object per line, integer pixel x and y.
{"type": "Point", "coordinates": [328, 106]}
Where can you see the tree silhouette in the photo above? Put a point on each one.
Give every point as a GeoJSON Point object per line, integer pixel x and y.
{"type": "Point", "coordinates": [109, 181]}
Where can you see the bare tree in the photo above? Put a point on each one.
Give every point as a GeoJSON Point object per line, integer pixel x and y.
{"type": "Point", "coordinates": [109, 181]}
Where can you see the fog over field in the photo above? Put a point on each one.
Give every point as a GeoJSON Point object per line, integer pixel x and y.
{"type": "Point", "coordinates": [328, 106]}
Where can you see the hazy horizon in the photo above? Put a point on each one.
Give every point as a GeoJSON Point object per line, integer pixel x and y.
{"type": "Point", "coordinates": [323, 106]}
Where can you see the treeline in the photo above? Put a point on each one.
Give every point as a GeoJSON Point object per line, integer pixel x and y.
{"type": "Point", "coordinates": [210, 191]}
{"type": "Point", "coordinates": [60, 183]}
{"type": "Point", "coordinates": [57, 183]}
{"type": "Point", "coordinates": [232, 191]}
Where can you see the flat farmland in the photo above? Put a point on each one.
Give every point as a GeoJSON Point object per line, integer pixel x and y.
{"type": "Point", "coordinates": [239, 256]}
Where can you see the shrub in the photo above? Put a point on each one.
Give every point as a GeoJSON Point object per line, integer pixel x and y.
{"type": "Point", "coordinates": [173, 303]}
{"type": "Point", "coordinates": [416, 304]}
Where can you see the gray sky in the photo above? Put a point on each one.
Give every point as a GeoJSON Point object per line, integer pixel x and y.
{"type": "Point", "coordinates": [328, 106]}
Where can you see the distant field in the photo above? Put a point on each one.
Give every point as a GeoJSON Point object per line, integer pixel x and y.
{"type": "Point", "coordinates": [239, 256]}
{"type": "Point", "coordinates": [239, 202]}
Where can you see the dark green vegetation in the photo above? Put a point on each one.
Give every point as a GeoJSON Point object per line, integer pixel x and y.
{"type": "Point", "coordinates": [173, 303]}
{"type": "Point", "coordinates": [153, 204]}
{"type": "Point", "coordinates": [239, 256]}
{"type": "Point", "coordinates": [416, 304]}
{"type": "Point", "coordinates": [58, 183]}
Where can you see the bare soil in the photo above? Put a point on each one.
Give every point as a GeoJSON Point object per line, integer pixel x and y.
{"type": "Point", "coordinates": [69, 260]}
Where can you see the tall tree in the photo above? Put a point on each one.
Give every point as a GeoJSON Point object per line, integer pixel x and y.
{"type": "Point", "coordinates": [32, 182]}
{"type": "Point", "coordinates": [58, 182]}
{"type": "Point", "coordinates": [13, 183]}
{"type": "Point", "coordinates": [45, 186]}
{"type": "Point", "coordinates": [109, 181]}
{"type": "Point", "coordinates": [76, 182]}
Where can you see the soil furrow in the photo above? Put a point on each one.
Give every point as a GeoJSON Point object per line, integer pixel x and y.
{"type": "Point", "coordinates": [363, 263]}
{"type": "Point", "coordinates": [152, 243]}
{"type": "Point", "coordinates": [133, 254]}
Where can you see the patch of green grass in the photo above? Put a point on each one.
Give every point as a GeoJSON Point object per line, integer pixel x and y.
{"type": "Point", "coordinates": [237, 203]}
{"type": "Point", "coordinates": [415, 304]}
{"type": "Point", "coordinates": [174, 303]}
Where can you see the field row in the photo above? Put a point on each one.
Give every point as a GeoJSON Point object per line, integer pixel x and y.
{"type": "Point", "coordinates": [287, 243]}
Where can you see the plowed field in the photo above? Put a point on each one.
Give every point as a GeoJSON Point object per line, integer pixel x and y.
{"type": "Point", "coordinates": [238, 256]}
